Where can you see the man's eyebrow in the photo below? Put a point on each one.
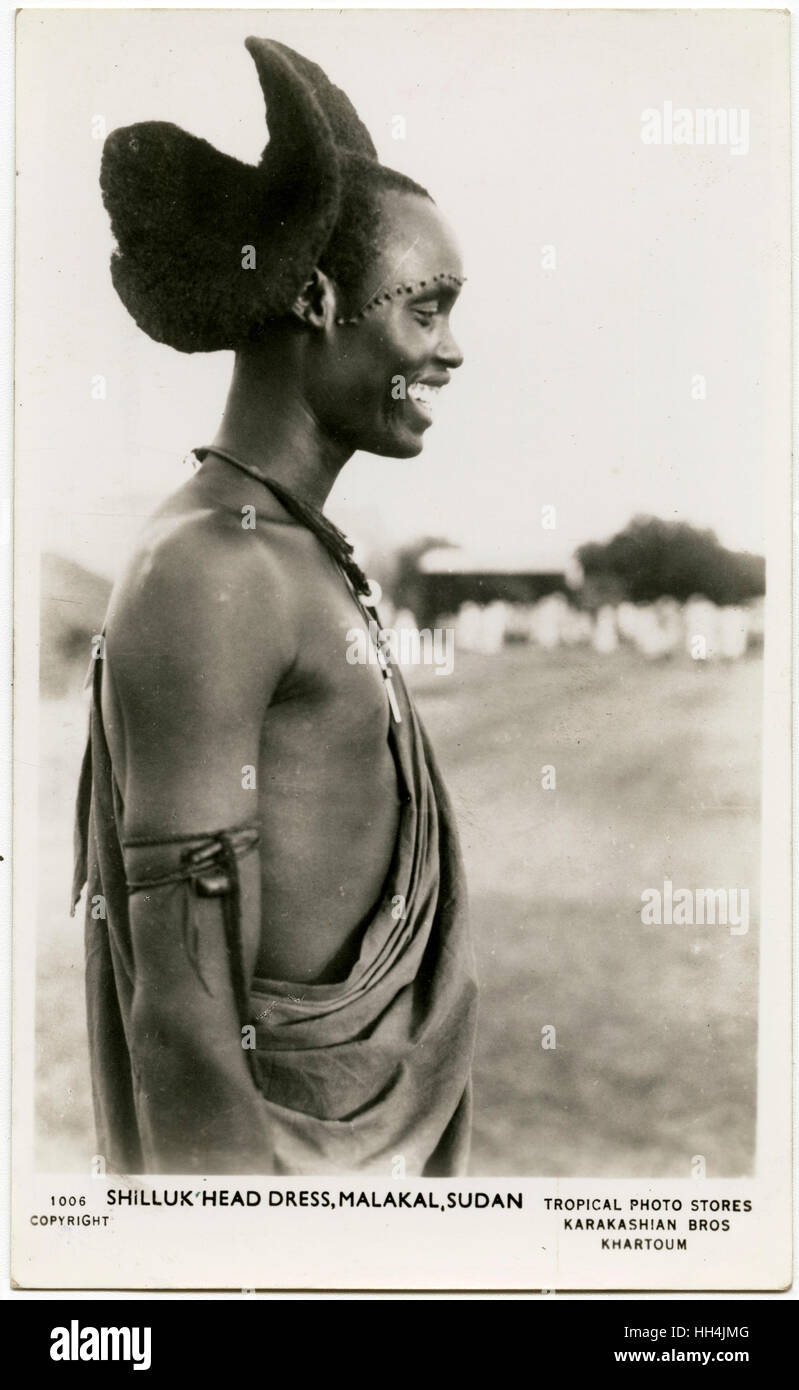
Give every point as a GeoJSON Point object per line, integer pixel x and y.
{"type": "Point", "coordinates": [442, 280]}
{"type": "Point", "coordinates": [446, 283]}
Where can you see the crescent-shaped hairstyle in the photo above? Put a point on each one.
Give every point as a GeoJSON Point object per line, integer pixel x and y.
{"type": "Point", "coordinates": [182, 213]}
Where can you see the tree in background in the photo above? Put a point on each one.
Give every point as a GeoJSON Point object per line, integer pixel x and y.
{"type": "Point", "coordinates": [652, 558]}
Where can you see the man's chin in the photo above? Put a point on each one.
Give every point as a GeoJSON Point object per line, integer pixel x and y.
{"type": "Point", "coordinates": [397, 445]}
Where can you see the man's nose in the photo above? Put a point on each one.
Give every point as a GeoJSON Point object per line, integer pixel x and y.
{"type": "Point", "coordinates": [449, 351]}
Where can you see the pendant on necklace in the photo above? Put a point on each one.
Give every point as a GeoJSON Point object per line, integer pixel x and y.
{"type": "Point", "coordinates": [388, 681]}
{"type": "Point", "coordinates": [392, 696]}
{"type": "Point", "coordinates": [373, 597]}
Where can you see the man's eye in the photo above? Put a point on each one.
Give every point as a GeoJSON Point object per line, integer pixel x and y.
{"type": "Point", "coordinates": [425, 314]}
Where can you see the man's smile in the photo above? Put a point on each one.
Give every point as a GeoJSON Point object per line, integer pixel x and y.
{"type": "Point", "coordinates": [423, 394]}
{"type": "Point", "coordinates": [423, 397]}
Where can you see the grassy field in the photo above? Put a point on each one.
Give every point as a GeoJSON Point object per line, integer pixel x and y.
{"type": "Point", "coordinates": [658, 775]}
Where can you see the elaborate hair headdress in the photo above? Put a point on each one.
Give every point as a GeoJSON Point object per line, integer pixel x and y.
{"type": "Point", "coordinates": [182, 212]}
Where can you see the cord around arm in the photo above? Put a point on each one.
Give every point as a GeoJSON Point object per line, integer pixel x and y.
{"type": "Point", "coordinates": [209, 869]}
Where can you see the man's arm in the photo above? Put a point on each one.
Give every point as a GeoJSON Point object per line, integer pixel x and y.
{"type": "Point", "coordinates": [195, 647]}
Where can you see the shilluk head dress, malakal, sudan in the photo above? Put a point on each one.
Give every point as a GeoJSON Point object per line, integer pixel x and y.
{"type": "Point", "coordinates": [350, 1074]}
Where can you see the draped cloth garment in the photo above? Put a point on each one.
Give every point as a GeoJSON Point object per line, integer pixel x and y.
{"type": "Point", "coordinates": [354, 1075]}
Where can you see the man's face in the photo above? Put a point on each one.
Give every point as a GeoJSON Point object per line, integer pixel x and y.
{"type": "Point", "coordinates": [382, 373]}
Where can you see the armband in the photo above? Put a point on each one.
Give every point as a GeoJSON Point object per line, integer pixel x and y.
{"type": "Point", "coordinates": [208, 868]}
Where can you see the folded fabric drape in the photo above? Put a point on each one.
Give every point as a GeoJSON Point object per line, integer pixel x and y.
{"type": "Point", "coordinates": [353, 1075]}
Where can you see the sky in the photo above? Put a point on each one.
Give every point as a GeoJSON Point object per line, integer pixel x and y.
{"type": "Point", "coordinates": [578, 389]}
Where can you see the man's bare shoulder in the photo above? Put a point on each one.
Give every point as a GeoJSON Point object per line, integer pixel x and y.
{"type": "Point", "coordinates": [198, 574]}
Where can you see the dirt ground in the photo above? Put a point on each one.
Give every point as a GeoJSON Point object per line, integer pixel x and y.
{"type": "Point", "coordinates": [657, 769]}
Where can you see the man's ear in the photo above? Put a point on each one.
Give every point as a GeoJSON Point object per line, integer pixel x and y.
{"type": "Point", "coordinates": [315, 304]}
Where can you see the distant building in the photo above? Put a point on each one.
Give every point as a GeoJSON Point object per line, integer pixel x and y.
{"type": "Point", "coordinates": [450, 576]}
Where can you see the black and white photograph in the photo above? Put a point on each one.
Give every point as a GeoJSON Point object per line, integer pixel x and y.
{"type": "Point", "coordinates": [402, 643]}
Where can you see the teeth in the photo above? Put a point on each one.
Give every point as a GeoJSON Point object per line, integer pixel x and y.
{"type": "Point", "coordinates": [424, 394]}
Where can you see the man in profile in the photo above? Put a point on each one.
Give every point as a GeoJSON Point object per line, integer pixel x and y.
{"type": "Point", "coordinates": [283, 980]}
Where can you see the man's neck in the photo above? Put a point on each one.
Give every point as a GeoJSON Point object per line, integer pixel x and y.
{"type": "Point", "coordinates": [268, 425]}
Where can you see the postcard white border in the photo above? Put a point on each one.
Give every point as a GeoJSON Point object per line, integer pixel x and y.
{"type": "Point", "coordinates": [380, 1249]}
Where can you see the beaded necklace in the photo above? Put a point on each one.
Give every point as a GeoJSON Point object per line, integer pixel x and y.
{"type": "Point", "coordinates": [337, 546]}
